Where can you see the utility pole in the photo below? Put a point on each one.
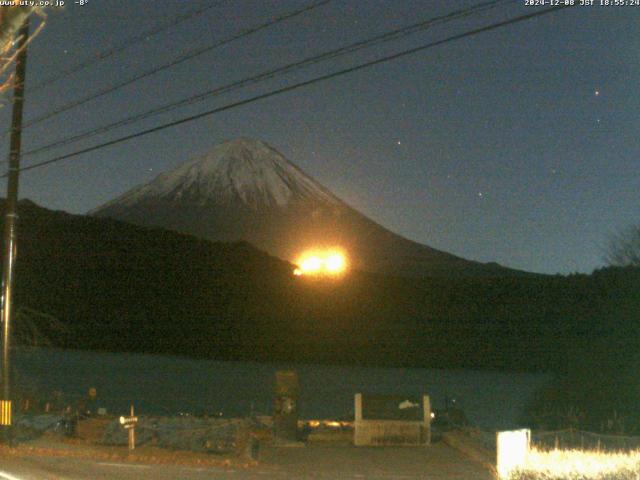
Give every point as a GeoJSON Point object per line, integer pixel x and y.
{"type": "Point", "coordinates": [9, 252]}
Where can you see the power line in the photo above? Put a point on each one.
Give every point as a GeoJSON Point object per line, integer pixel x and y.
{"type": "Point", "coordinates": [296, 86]}
{"type": "Point", "coordinates": [122, 46]}
{"type": "Point", "coordinates": [176, 61]}
{"type": "Point", "coordinates": [375, 40]}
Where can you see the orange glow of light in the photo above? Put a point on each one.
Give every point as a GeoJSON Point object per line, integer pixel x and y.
{"type": "Point", "coordinates": [330, 262]}
{"type": "Point", "coordinates": [335, 263]}
{"type": "Point", "coordinates": [311, 264]}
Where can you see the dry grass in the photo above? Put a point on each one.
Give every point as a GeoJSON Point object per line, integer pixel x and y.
{"type": "Point", "coordinates": [88, 445]}
{"type": "Point", "coordinates": [579, 464]}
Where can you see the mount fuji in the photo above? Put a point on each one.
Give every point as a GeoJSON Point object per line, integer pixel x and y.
{"type": "Point", "coordinates": [244, 189]}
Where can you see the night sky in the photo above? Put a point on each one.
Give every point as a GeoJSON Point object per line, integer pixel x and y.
{"type": "Point", "coordinates": [518, 146]}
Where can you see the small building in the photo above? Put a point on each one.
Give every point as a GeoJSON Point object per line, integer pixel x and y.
{"type": "Point", "coordinates": [392, 420]}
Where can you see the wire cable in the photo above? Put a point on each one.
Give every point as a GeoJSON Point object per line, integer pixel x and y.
{"type": "Point", "coordinates": [122, 46]}
{"type": "Point", "coordinates": [299, 85]}
{"type": "Point", "coordinates": [375, 40]}
{"type": "Point", "coordinates": [191, 54]}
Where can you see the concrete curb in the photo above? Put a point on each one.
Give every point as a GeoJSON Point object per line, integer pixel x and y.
{"type": "Point", "coordinates": [467, 446]}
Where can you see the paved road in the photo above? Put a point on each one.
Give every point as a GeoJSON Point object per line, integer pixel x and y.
{"type": "Point", "coordinates": [310, 462]}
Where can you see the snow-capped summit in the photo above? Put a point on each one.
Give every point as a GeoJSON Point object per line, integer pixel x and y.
{"type": "Point", "coordinates": [246, 190]}
{"type": "Point", "coordinates": [245, 170]}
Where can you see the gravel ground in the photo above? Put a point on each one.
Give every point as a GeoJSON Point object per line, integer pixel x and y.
{"type": "Point", "coordinates": [437, 461]}
{"type": "Point", "coordinates": [84, 457]}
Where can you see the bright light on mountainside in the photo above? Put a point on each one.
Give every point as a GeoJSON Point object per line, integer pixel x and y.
{"type": "Point", "coordinates": [335, 263]}
{"type": "Point", "coordinates": [316, 263]}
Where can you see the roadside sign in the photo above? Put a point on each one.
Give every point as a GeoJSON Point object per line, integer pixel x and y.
{"type": "Point", "coordinates": [128, 422]}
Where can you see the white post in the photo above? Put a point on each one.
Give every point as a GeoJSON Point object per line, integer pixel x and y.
{"type": "Point", "coordinates": [132, 433]}
{"type": "Point", "coordinates": [426, 405]}
{"type": "Point", "coordinates": [357, 425]}
{"type": "Point", "coordinates": [512, 451]}
{"type": "Point", "coordinates": [358, 407]}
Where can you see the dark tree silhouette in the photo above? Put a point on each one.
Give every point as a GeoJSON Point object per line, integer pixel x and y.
{"type": "Point", "coordinates": [624, 248]}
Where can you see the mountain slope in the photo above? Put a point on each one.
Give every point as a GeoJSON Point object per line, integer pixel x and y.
{"type": "Point", "coordinates": [120, 287]}
{"type": "Point", "coordinates": [246, 190]}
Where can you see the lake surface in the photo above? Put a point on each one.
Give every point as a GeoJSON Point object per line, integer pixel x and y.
{"type": "Point", "coordinates": [167, 385]}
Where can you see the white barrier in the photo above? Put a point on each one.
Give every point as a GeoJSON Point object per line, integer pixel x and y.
{"type": "Point", "coordinates": [512, 451]}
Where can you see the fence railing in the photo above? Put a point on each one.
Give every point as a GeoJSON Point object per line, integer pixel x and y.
{"type": "Point", "coordinates": [567, 439]}
{"type": "Point", "coordinates": [582, 440]}
{"type": "Point", "coordinates": [569, 454]}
